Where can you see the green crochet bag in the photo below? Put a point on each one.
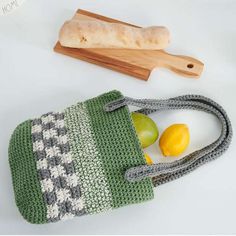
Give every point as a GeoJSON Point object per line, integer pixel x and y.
{"type": "Point", "coordinates": [88, 159]}
{"type": "Point", "coordinates": [72, 163]}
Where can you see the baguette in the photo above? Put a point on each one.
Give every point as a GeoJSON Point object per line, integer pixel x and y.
{"type": "Point", "coordinates": [98, 34]}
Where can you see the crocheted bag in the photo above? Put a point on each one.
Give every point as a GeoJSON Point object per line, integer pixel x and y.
{"type": "Point", "coordinates": [87, 158]}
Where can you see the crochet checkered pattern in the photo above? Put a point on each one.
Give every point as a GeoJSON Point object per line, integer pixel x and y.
{"type": "Point", "coordinates": [72, 163]}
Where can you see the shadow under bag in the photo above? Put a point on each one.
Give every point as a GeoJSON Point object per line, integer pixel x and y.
{"type": "Point", "coordinates": [87, 158]}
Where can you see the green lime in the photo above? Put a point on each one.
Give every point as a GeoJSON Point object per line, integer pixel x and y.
{"type": "Point", "coordinates": [146, 129]}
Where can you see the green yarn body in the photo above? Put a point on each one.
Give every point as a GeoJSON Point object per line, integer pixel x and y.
{"type": "Point", "coordinates": [117, 140]}
{"type": "Point", "coordinates": [73, 163]}
{"type": "Point", "coordinates": [28, 194]}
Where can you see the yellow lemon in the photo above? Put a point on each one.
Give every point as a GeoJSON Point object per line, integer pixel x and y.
{"type": "Point", "coordinates": [174, 140]}
{"type": "Point", "coordinates": [148, 159]}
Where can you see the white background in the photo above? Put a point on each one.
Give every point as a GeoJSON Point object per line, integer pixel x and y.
{"type": "Point", "coordinates": [35, 80]}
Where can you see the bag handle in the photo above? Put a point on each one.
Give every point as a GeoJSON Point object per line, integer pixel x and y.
{"type": "Point", "coordinates": [165, 172]}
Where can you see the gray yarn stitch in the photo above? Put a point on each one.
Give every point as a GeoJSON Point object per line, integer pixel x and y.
{"type": "Point", "coordinates": [165, 172]}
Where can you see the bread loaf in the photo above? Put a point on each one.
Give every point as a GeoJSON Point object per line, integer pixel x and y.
{"type": "Point", "coordinates": [98, 34]}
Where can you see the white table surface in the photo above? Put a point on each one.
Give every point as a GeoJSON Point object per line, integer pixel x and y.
{"type": "Point", "coordinates": [35, 80]}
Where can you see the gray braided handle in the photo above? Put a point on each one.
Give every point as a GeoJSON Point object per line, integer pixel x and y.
{"type": "Point", "coordinates": [165, 172]}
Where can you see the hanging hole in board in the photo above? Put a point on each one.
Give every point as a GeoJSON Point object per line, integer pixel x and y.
{"type": "Point", "coordinates": [190, 66]}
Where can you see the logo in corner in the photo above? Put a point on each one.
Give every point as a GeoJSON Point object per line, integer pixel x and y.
{"type": "Point", "coordinates": [8, 6]}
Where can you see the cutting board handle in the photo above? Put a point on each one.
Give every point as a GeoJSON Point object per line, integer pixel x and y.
{"type": "Point", "coordinates": [182, 65]}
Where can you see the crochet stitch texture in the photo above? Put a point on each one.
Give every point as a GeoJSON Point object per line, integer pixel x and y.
{"type": "Point", "coordinates": [72, 163]}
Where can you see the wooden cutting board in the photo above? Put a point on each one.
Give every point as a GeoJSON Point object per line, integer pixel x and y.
{"type": "Point", "coordinates": [137, 63]}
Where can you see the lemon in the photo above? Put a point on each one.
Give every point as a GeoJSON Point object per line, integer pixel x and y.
{"type": "Point", "coordinates": [146, 129]}
{"type": "Point", "coordinates": [174, 140]}
{"type": "Point", "coordinates": [148, 159]}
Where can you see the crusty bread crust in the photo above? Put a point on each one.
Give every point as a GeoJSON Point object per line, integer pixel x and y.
{"type": "Point", "coordinates": [96, 34]}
